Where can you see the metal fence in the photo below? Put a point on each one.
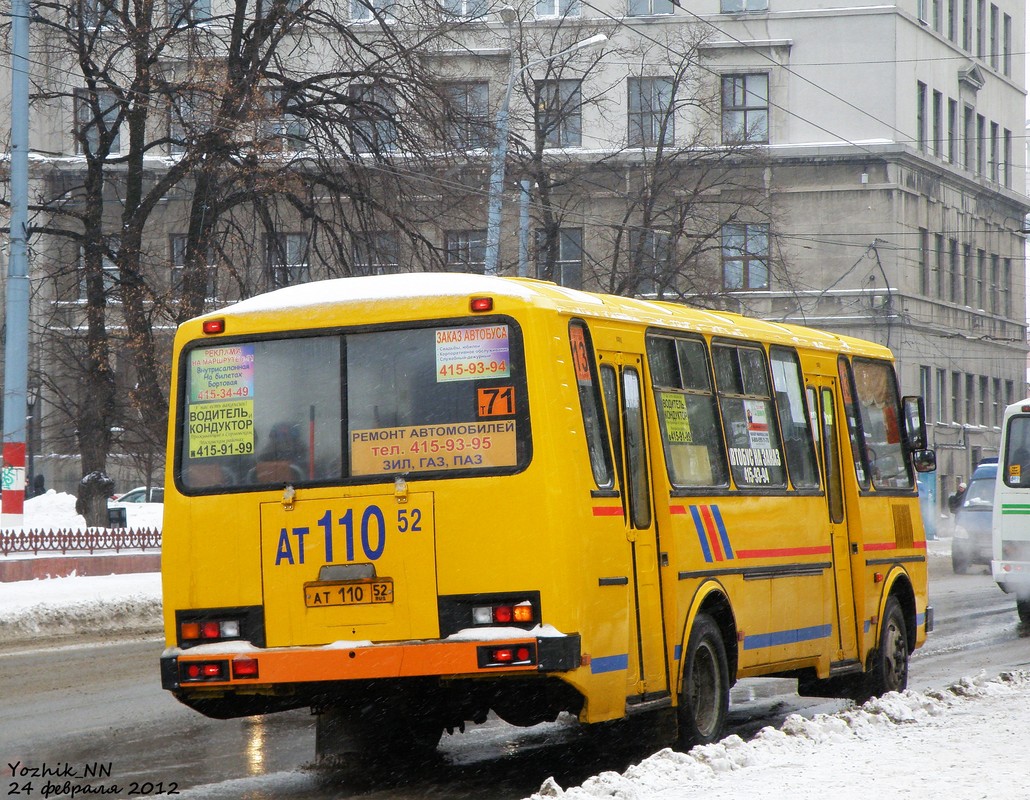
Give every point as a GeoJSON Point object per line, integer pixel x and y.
{"type": "Point", "coordinates": [90, 540]}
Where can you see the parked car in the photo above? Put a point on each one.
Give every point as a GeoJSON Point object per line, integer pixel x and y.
{"type": "Point", "coordinates": [971, 539]}
{"type": "Point", "coordinates": [137, 508]}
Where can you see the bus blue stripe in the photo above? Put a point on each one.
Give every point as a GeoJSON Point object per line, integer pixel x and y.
{"type": "Point", "coordinates": [792, 636]}
{"type": "Point", "coordinates": [726, 547]}
{"type": "Point", "coordinates": [609, 664]}
{"type": "Point", "coordinates": [702, 536]}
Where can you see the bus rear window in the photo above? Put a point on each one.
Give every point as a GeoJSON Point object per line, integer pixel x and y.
{"type": "Point", "coordinates": [446, 399]}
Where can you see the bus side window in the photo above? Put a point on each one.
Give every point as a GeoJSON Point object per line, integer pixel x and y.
{"type": "Point", "coordinates": [752, 432]}
{"type": "Point", "coordinates": [879, 410]}
{"type": "Point", "coordinates": [687, 414]}
{"type": "Point", "coordinates": [794, 423]}
{"type": "Point", "coordinates": [610, 389]}
{"type": "Point", "coordinates": [590, 405]}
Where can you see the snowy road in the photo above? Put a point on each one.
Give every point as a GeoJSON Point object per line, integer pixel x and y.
{"type": "Point", "coordinates": [88, 703]}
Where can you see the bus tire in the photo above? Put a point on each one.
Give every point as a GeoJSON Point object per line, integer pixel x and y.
{"type": "Point", "coordinates": [1023, 609]}
{"type": "Point", "coordinates": [704, 699]}
{"type": "Point", "coordinates": [889, 669]}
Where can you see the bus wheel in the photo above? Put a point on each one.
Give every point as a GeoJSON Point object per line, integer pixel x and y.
{"type": "Point", "coordinates": [889, 671]}
{"type": "Point", "coordinates": [1023, 608]}
{"type": "Point", "coordinates": [705, 697]}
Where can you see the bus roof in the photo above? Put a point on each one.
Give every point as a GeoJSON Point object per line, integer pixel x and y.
{"type": "Point", "coordinates": [369, 299]}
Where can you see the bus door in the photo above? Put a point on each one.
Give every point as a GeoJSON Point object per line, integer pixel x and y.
{"type": "Point", "coordinates": [829, 434]}
{"type": "Point", "coordinates": [622, 377]}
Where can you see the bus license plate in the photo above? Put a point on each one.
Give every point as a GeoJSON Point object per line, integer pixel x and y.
{"type": "Point", "coordinates": [348, 593]}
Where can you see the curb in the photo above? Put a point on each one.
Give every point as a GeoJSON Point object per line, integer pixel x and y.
{"type": "Point", "coordinates": [61, 566]}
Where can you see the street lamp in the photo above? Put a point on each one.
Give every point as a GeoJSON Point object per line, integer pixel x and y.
{"type": "Point", "coordinates": [30, 419]}
{"type": "Point", "coordinates": [500, 153]}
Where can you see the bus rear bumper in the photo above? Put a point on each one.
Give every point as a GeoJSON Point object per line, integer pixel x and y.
{"type": "Point", "coordinates": [240, 666]}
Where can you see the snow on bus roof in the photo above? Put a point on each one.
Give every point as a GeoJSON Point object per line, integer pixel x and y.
{"type": "Point", "coordinates": [419, 285]}
{"type": "Point", "coordinates": [398, 286]}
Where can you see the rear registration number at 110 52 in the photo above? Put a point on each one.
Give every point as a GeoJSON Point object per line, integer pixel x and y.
{"type": "Point", "coordinates": [348, 593]}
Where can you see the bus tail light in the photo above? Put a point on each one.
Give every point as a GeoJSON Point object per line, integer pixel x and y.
{"type": "Point", "coordinates": [244, 668]}
{"type": "Point", "coordinates": [506, 655]}
{"type": "Point", "coordinates": [212, 326]}
{"type": "Point", "coordinates": [201, 671]}
{"type": "Point", "coordinates": [503, 614]}
{"type": "Point", "coordinates": [481, 304]}
{"type": "Point", "coordinates": [204, 631]}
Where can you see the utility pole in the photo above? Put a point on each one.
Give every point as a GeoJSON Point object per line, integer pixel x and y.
{"type": "Point", "coordinates": [16, 349]}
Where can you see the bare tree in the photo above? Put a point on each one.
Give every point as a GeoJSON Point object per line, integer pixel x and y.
{"type": "Point", "coordinates": [276, 114]}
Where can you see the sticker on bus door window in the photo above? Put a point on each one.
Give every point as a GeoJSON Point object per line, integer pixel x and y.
{"type": "Point", "coordinates": [466, 354]}
{"type": "Point", "coordinates": [677, 422]}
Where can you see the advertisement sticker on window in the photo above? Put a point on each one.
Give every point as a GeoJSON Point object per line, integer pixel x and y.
{"type": "Point", "coordinates": [465, 354]}
{"type": "Point", "coordinates": [222, 373]}
{"type": "Point", "coordinates": [422, 448]}
{"type": "Point", "coordinates": [221, 429]}
{"type": "Point", "coordinates": [677, 423]}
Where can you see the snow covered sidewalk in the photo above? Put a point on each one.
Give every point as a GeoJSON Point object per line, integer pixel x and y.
{"type": "Point", "coordinates": [961, 743]}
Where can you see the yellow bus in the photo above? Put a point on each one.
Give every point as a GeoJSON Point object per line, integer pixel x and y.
{"type": "Point", "coordinates": [407, 501]}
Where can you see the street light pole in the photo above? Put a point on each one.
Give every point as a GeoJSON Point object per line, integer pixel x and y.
{"type": "Point", "coordinates": [500, 152]}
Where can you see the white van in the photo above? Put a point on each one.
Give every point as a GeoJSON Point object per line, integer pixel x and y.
{"type": "Point", "coordinates": [1010, 523]}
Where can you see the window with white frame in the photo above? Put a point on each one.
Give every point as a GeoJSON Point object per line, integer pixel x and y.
{"type": "Point", "coordinates": [650, 108]}
{"type": "Point", "coordinates": [289, 132]}
{"type": "Point", "coordinates": [467, 114]}
{"type": "Point", "coordinates": [466, 9]}
{"type": "Point", "coordinates": [567, 264]}
{"type": "Point", "coordinates": [368, 10]}
{"type": "Point", "coordinates": [182, 13]}
{"type": "Point", "coordinates": [189, 114]}
{"type": "Point", "coordinates": [96, 119]}
{"type": "Point", "coordinates": [743, 6]}
{"type": "Point", "coordinates": [745, 256]}
{"type": "Point", "coordinates": [110, 268]}
{"type": "Point", "coordinates": [559, 112]}
{"type": "Point", "coordinates": [374, 115]}
{"type": "Point", "coordinates": [557, 8]}
{"type": "Point", "coordinates": [177, 247]}
{"type": "Point", "coordinates": [287, 259]}
{"type": "Point", "coordinates": [745, 108]}
{"type": "Point", "coordinates": [650, 257]}
{"type": "Point", "coordinates": [646, 8]}
{"type": "Point", "coordinates": [99, 13]}
{"type": "Point", "coordinates": [376, 253]}
{"type": "Point", "coordinates": [465, 250]}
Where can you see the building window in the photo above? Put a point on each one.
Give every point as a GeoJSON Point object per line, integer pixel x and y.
{"type": "Point", "coordinates": [745, 256]}
{"type": "Point", "coordinates": [967, 26]}
{"type": "Point", "coordinates": [182, 13]}
{"type": "Point", "coordinates": [557, 8]}
{"type": "Point", "coordinates": [926, 389]}
{"type": "Point", "coordinates": [924, 261]}
{"type": "Point", "coordinates": [969, 136]}
{"type": "Point", "coordinates": [745, 108]}
{"type": "Point", "coordinates": [94, 121]}
{"type": "Point", "coordinates": [650, 111]}
{"type": "Point", "coordinates": [938, 124]}
{"type": "Point", "coordinates": [110, 268]}
{"type": "Point", "coordinates": [743, 6]}
{"type": "Point", "coordinates": [956, 397]}
{"type": "Point", "coordinates": [464, 8]}
{"type": "Point", "coordinates": [921, 116]}
{"type": "Point", "coordinates": [177, 246]}
{"type": "Point", "coordinates": [189, 114]}
{"type": "Point", "coordinates": [968, 275]}
{"type": "Point", "coordinates": [376, 253]}
{"type": "Point", "coordinates": [374, 113]}
{"type": "Point", "coordinates": [981, 28]}
{"type": "Point", "coordinates": [981, 145]}
{"type": "Point", "coordinates": [982, 420]}
{"type": "Point", "coordinates": [559, 117]}
{"type": "Point", "coordinates": [1006, 164]}
{"type": "Point", "coordinates": [994, 37]}
{"type": "Point", "coordinates": [938, 258]}
{"type": "Point", "coordinates": [954, 272]}
{"type": "Point", "coordinates": [567, 263]}
{"type": "Point", "coordinates": [942, 394]}
{"type": "Point", "coordinates": [993, 171]}
{"type": "Point", "coordinates": [287, 259]}
{"type": "Point", "coordinates": [645, 8]}
{"type": "Point", "coordinates": [970, 418]}
{"type": "Point", "coordinates": [466, 250]}
{"type": "Point", "coordinates": [287, 131]}
{"type": "Point", "coordinates": [368, 10]}
{"type": "Point", "coordinates": [468, 123]}
{"type": "Point", "coordinates": [650, 257]}
{"type": "Point", "coordinates": [1006, 44]}
{"type": "Point", "coordinates": [995, 282]}
{"type": "Point", "coordinates": [981, 279]}
{"type": "Point", "coordinates": [935, 14]}
{"type": "Point", "coordinates": [952, 131]}
{"type": "Point", "coordinates": [1006, 294]}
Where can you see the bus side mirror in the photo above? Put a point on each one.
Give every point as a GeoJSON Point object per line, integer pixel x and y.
{"type": "Point", "coordinates": [915, 423]}
{"type": "Point", "coordinates": [924, 460]}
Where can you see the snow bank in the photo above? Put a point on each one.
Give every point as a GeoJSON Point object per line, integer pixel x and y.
{"type": "Point", "coordinates": [897, 741]}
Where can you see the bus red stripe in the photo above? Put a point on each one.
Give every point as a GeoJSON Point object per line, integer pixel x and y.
{"type": "Point", "coordinates": [607, 511]}
{"type": "Point", "coordinates": [713, 534]}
